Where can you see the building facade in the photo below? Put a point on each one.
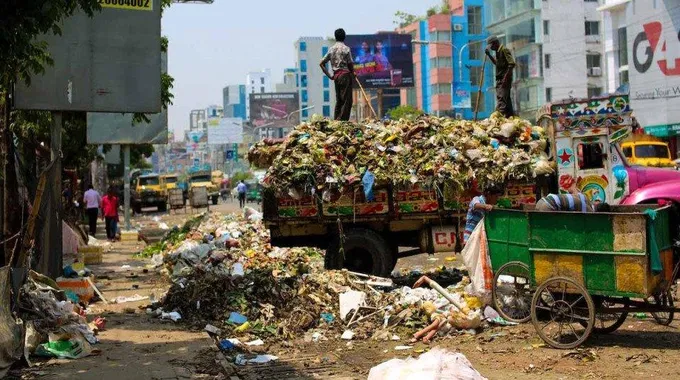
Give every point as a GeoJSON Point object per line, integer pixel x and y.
{"type": "Point", "coordinates": [291, 81]}
{"type": "Point", "coordinates": [557, 46]}
{"type": "Point", "coordinates": [447, 59]}
{"type": "Point", "coordinates": [258, 82]}
{"type": "Point", "coordinates": [314, 88]}
{"type": "Point", "coordinates": [197, 119]}
{"type": "Point", "coordinates": [234, 101]}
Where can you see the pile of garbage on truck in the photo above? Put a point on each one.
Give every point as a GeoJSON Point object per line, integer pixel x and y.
{"type": "Point", "coordinates": [226, 275]}
{"type": "Point", "coordinates": [324, 155]}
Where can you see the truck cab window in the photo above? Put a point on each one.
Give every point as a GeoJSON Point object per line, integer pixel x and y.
{"type": "Point", "coordinates": [590, 156]}
{"type": "Point", "coordinates": [628, 152]}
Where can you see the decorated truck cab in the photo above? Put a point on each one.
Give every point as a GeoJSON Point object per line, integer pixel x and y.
{"type": "Point", "coordinates": [586, 148]}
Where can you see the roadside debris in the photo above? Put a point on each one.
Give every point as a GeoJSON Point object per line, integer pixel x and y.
{"type": "Point", "coordinates": [437, 364]}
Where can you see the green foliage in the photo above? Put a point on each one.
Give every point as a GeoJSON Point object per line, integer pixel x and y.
{"type": "Point", "coordinates": [404, 112]}
{"type": "Point", "coordinates": [404, 19]}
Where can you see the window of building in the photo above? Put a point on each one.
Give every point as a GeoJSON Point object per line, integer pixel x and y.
{"type": "Point", "coordinates": [303, 46]}
{"type": "Point", "coordinates": [440, 36]}
{"type": "Point", "coordinates": [440, 88]}
{"type": "Point", "coordinates": [623, 46]}
{"type": "Point", "coordinates": [476, 51]}
{"type": "Point", "coordinates": [546, 27]}
{"type": "Point", "coordinates": [593, 60]}
{"type": "Point", "coordinates": [305, 112]}
{"type": "Point", "coordinates": [327, 111]}
{"type": "Point", "coordinates": [326, 82]}
{"type": "Point", "coordinates": [326, 96]}
{"type": "Point", "coordinates": [521, 34]}
{"type": "Point", "coordinates": [412, 97]}
{"type": "Point", "coordinates": [475, 74]}
{"type": "Point", "coordinates": [522, 66]}
{"type": "Point", "coordinates": [262, 90]}
{"type": "Point", "coordinates": [590, 1]}
{"type": "Point", "coordinates": [590, 156]}
{"type": "Point", "coordinates": [474, 20]}
{"type": "Point", "coordinates": [592, 28]}
{"type": "Point", "coordinates": [262, 80]}
{"type": "Point", "coordinates": [303, 65]}
{"type": "Point", "coordinates": [546, 59]}
{"type": "Point", "coordinates": [303, 81]}
{"type": "Point", "coordinates": [252, 81]}
{"type": "Point", "coordinates": [441, 63]}
{"type": "Point", "coordinates": [548, 94]}
{"type": "Point", "coordinates": [324, 51]}
{"type": "Point", "coordinates": [594, 91]}
{"type": "Point", "coordinates": [304, 95]}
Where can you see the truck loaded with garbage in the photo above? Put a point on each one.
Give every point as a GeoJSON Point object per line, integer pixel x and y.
{"type": "Point", "coordinates": [363, 190]}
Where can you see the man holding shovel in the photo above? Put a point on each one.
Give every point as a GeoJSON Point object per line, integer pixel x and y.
{"type": "Point", "coordinates": [340, 57]}
{"type": "Point", "coordinates": [504, 63]}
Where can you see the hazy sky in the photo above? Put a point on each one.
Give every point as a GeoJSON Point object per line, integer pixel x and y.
{"type": "Point", "coordinates": [216, 45]}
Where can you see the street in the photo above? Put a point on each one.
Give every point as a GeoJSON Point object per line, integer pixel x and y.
{"type": "Point", "coordinates": [135, 345]}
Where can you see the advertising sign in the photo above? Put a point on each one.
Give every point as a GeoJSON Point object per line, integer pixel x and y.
{"type": "Point", "coordinates": [461, 95]}
{"type": "Point", "coordinates": [228, 130]}
{"type": "Point", "coordinates": [275, 110]}
{"type": "Point", "coordinates": [654, 65]}
{"type": "Point", "coordinates": [382, 60]}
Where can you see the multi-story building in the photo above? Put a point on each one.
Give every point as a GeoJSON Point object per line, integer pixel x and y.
{"type": "Point", "coordinates": [449, 49]}
{"type": "Point", "coordinates": [557, 48]}
{"type": "Point", "coordinates": [314, 87]}
{"type": "Point", "coordinates": [197, 119]}
{"type": "Point", "coordinates": [291, 81]}
{"type": "Point", "coordinates": [258, 82]}
{"type": "Point", "coordinates": [234, 101]}
{"type": "Point", "coordinates": [215, 111]}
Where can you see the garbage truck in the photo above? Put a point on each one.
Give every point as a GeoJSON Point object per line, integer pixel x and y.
{"type": "Point", "coordinates": [584, 137]}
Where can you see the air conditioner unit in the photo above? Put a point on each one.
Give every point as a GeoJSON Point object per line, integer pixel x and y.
{"type": "Point", "coordinates": [459, 116]}
{"type": "Point", "coordinates": [457, 27]}
{"type": "Point", "coordinates": [595, 72]}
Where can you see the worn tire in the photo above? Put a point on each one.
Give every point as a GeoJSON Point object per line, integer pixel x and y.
{"type": "Point", "coordinates": [365, 251]}
{"type": "Point", "coordinates": [214, 201]}
{"type": "Point", "coordinates": [162, 207]}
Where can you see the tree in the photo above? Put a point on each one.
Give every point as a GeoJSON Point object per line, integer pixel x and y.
{"type": "Point", "coordinates": [404, 19]}
{"type": "Point", "coordinates": [404, 112]}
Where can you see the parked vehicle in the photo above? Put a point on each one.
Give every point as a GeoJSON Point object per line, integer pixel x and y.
{"type": "Point", "coordinates": [203, 178]}
{"type": "Point", "coordinates": [148, 193]}
{"type": "Point", "coordinates": [647, 150]}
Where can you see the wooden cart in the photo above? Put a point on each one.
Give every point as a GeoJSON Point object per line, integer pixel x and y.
{"type": "Point", "coordinates": [582, 272]}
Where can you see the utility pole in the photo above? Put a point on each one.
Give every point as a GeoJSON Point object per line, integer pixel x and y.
{"type": "Point", "coordinates": [55, 258]}
{"type": "Point", "coordinates": [126, 185]}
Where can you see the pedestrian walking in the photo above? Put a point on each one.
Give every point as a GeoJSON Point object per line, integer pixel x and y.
{"type": "Point", "coordinates": [241, 189]}
{"type": "Point", "coordinates": [110, 204]}
{"type": "Point", "coordinates": [505, 64]}
{"type": "Point", "coordinates": [92, 203]}
{"type": "Point", "coordinates": [340, 57]}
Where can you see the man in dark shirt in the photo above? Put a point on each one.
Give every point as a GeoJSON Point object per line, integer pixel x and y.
{"type": "Point", "coordinates": [340, 57]}
{"type": "Point", "coordinates": [504, 65]}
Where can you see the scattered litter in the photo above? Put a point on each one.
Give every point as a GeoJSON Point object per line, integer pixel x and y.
{"type": "Point", "coordinates": [242, 359]}
{"type": "Point", "coordinates": [402, 348]}
{"type": "Point", "coordinates": [135, 298]}
{"type": "Point", "coordinates": [174, 316]}
{"type": "Point", "coordinates": [347, 335]}
{"type": "Point", "coordinates": [351, 300]}
{"type": "Point", "coordinates": [237, 318]}
{"type": "Point", "coordinates": [642, 358]}
{"type": "Point", "coordinates": [437, 364]}
{"type": "Point", "coordinates": [212, 329]}
{"type": "Point", "coordinates": [256, 342]}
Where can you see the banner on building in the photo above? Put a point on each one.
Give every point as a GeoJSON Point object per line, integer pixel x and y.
{"type": "Point", "coordinates": [383, 60]}
{"type": "Point", "coordinates": [275, 110]}
{"type": "Point", "coordinates": [654, 66]}
{"type": "Point", "coordinates": [228, 130]}
{"type": "Point", "coordinates": [461, 95]}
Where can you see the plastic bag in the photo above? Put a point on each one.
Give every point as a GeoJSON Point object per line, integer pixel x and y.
{"type": "Point", "coordinates": [437, 364]}
{"type": "Point", "coordinates": [368, 181]}
{"type": "Point", "coordinates": [476, 259]}
{"type": "Point", "coordinates": [508, 129]}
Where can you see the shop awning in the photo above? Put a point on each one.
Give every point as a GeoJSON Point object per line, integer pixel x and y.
{"type": "Point", "coordinates": [612, 5]}
{"type": "Point", "coordinates": [666, 130]}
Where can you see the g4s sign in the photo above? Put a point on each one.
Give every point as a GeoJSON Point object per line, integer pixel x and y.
{"type": "Point", "coordinates": [649, 39]}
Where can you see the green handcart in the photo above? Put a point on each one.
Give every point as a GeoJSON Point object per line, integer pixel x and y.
{"type": "Point", "coordinates": [577, 273]}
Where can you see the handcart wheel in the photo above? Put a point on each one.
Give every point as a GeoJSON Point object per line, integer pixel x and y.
{"type": "Point", "coordinates": [512, 292]}
{"type": "Point", "coordinates": [558, 308]}
{"type": "Point", "coordinates": [605, 322]}
{"type": "Point", "coordinates": [664, 299]}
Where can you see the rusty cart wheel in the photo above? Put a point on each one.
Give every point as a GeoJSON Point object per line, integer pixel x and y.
{"type": "Point", "coordinates": [664, 299]}
{"type": "Point", "coordinates": [512, 292]}
{"type": "Point", "coordinates": [558, 308]}
{"type": "Point", "coordinates": [608, 322]}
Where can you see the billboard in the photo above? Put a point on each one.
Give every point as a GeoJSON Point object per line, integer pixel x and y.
{"type": "Point", "coordinates": [461, 95]}
{"type": "Point", "coordinates": [654, 66]}
{"type": "Point", "coordinates": [228, 130]}
{"type": "Point", "coordinates": [382, 60]}
{"type": "Point", "coordinates": [275, 110]}
{"type": "Point", "coordinates": [110, 62]}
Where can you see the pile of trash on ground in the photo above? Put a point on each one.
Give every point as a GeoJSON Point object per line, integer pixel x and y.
{"type": "Point", "coordinates": [229, 279]}
{"type": "Point", "coordinates": [324, 155]}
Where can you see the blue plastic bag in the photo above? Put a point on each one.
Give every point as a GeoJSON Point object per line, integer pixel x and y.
{"type": "Point", "coordinates": [368, 181]}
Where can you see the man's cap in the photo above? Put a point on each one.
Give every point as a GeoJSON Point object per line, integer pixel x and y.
{"type": "Point", "coordinates": [492, 39]}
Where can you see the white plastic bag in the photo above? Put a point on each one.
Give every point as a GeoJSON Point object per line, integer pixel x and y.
{"type": "Point", "coordinates": [437, 364]}
{"type": "Point", "coordinates": [476, 259]}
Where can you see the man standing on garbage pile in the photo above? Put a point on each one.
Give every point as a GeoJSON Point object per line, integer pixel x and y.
{"type": "Point", "coordinates": [504, 63]}
{"type": "Point", "coordinates": [478, 207]}
{"type": "Point", "coordinates": [340, 57]}
{"type": "Point", "coordinates": [110, 213]}
{"type": "Point", "coordinates": [241, 189]}
{"type": "Point", "coordinates": [92, 203]}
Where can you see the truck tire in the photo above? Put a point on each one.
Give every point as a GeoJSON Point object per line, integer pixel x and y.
{"type": "Point", "coordinates": [214, 200]}
{"type": "Point", "coordinates": [137, 208]}
{"type": "Point", "coordinates": [365, 251]}
{"type": "Point", "coordinates": [162, 207]}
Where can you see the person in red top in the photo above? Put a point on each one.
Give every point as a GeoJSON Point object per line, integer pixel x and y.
{"type": "Point", "coordinates": [110, 213]}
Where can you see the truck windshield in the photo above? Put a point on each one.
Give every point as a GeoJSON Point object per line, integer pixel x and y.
{"type": "Point", "coordinates": [200, 178]}
{"type": "Point", "coordinates": [652, 151]}
{"type": "Point", "coordinates": [170, 179]}
{"type": "Point", "coordinates": [149, 181]}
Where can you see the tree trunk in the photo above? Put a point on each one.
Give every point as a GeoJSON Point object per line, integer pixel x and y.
{"type": "Point", "coordinates": [11, 223]}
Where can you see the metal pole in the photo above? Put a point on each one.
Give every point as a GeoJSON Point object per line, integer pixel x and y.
{"type": "Point", "coordinates": [380, 103]}
{"type": "Point", "coordinates": [126, 186]}
{"type": "Point", "coordinates": [479, 91]}
{"type": "Point", "coordinates": [54, 265]}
